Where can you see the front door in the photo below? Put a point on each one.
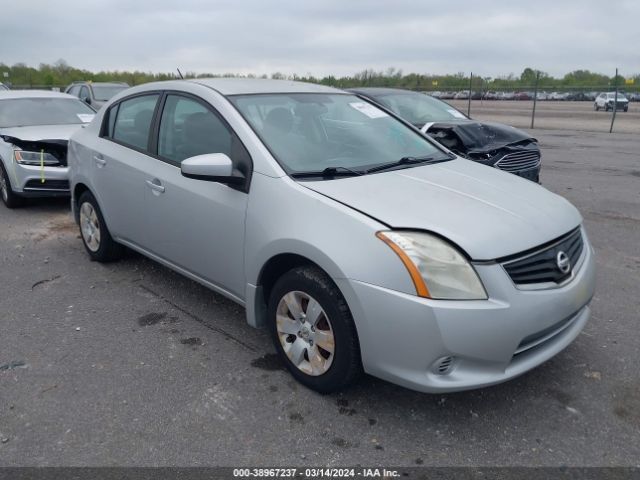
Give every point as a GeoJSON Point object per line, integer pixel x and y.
{"type": "Point", "coordinates": [196, 225]}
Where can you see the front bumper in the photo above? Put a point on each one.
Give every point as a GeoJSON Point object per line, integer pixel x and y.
{"type": "Point", "coordinates": [404, 337]}
{"type": "Point", "coordinates": [26, 180]}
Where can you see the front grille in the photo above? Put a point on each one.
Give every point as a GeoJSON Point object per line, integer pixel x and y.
{"type": "Point", "coordinates": [62, 185]}
{"type": "Point", "coordinates": [541, 265]}
{"type": "Point", "coordinates": [516, 161]}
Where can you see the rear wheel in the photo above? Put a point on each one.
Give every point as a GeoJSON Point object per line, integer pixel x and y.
{"type": "Point", "coordinates": [9, 197]}
{"type": "Point", "coordinates": [95, 234]}
{"type": "Point", "coordinates": [313, 330]}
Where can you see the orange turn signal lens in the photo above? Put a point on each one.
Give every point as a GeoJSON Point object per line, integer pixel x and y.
{"type": "Point", "coordinates": [418, 282]}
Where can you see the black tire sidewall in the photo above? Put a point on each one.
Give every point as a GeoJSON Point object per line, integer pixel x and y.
{"type": "Point", "coordinates": [319, 286]}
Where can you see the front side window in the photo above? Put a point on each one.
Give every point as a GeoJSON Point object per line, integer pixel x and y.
{"type": "Point", "coordinates": [188, 128]}
{"type": "Point", "coordinates": [309, 132]}
{"type": "Point", "coordinates": [133, 120]}
{"type": "Point", "coordinates": [23, 112]}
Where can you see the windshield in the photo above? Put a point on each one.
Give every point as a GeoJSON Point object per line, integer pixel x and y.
{"type": "Point", "coordinates": [418, 108]}
{"type": "Point", "coordinates": [23, 112]}
{"type": "Point", "coordinates": [311, 132]}
{"type": "Point", "coordinates": [620, 96]}
{"type": "Point", "coordinates": [103, 93]}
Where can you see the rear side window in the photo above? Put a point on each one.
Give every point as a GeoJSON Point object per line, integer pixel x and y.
{"type": "Point", "coordinates": [130, 121]}
{"type": "Point", "coordinates": [188, 128]}
{"type": "Point", "coordinates": [74, 91]}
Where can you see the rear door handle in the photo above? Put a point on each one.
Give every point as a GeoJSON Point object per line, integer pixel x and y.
{"type": "Point", "coordinates": [100, 162]}
{"type": "Point", "coordinates": [155, 186]}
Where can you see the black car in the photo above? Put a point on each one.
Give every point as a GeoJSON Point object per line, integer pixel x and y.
{"type": "Point", "coordinates": [489, 143]}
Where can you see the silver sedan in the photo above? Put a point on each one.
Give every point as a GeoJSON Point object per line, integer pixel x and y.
{"type": "Point", "coordinates": [35, 127]}
{"type": "Point", "coordinates": [360, 244]}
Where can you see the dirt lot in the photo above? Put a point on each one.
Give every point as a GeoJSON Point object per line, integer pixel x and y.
{"type": "Point", "coordinates": [553, 115]}
{"type": "Point", "coordinates": [132, 364]}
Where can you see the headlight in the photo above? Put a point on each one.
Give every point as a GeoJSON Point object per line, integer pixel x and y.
{"type": "Point", "coordinates": [438, 270]}
{"type": "Point", "coordinates": [35, 158]}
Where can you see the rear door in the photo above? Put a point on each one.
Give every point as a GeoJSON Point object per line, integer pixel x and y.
{"type": "Point", "coordinates": [120, 165]}
{"type": "Point", "coordinates": [197, 225]}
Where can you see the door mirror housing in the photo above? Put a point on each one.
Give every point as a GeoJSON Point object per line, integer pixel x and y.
{"type": "Point", "coordinates": [86, 100]}
{"type": "Point", "coordinates": [212, 167]}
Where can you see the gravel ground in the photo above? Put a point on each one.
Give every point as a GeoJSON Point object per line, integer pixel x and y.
{"type": "Point", "coordinates": [131, 364]}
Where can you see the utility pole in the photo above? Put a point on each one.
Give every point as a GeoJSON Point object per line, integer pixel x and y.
{"type": "Point", "coordinates": [469, 102]}
{"type": "Point", "coordinates": [535, 98]}
{"type": "Point", "coordinates": [615, 101]}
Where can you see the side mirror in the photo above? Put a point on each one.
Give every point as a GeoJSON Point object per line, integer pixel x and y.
{"type": "Point", "coordinates": [86, 100]}
{"type": "Point", "coordinates": [213, 167]}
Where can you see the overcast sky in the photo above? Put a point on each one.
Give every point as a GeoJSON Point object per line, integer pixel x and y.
{"type": "Point", "coordinates": [321, 37]}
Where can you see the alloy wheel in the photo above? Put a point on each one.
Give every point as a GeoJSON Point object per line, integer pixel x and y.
{"type": "Point", "coordinates": [90, 226]}
{"type": "Point", "coordinates": [305, 333]}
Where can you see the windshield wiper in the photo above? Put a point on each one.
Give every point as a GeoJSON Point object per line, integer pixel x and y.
{"type": "Point", "coordinates": [405, 161]}
{"type": "Point", "coordinates": [329, 172]}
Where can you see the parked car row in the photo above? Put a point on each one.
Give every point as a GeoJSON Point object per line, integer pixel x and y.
{"type": "Point", "coordinates": [523, 95]}
{"type": "Point", "coordinates": [359, 241]}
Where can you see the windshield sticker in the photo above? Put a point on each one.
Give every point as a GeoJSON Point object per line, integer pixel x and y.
{"type": "Point", "coordinates": [368, 109]}
{"type": "Point", "coordinates": [455, 113]}
{"type": "Point", "coordinates": [85, 117]}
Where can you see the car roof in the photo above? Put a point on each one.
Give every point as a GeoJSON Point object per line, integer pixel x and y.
{"type": "Point", "coordinates": [373, 91]}
{"type": "Point", "coordinates": [12, 94]}
{"type": "Point", "coordinates": [110, 84]}
{"type": "Point", "coordinates": [238, 86]}
{"type": "Point", "coordinates": [89, 82]}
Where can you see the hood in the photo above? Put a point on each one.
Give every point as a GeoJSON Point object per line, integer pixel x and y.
{"type": "Point", "coordinates": [40, 133]}
{"type": "Point", "coordinates": [488, 213]}
{"type": "Point", "coordinates": [478, 137]}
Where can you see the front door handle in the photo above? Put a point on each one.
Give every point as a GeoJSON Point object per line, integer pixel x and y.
{"type": "Point", "coordinates": [155, 186]}
{"type": "Point", "coordinates": [100, 162]}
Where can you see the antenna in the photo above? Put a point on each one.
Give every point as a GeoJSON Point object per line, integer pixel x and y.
{"type": "Point", "coordinates": [180, 73]}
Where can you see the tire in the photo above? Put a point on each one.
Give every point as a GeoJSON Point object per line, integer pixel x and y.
{"type": "Point", "coordinates": [309, 341]}
{"type": "Point", "coordinates": [596, 107]}
{"type": "Point", "coordinates": [95, 235]}
{"type": "Point", "coordinates": [9, 197]}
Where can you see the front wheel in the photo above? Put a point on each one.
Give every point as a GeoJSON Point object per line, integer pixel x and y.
{"type": "Point", "coordinates": [9, 197]}
{"type": "Point", "coordinates": [95, 234]}
{"type": "Point", "coordinates": [596, 107]}
{"type": "Point", "coordinates": [313, 330]}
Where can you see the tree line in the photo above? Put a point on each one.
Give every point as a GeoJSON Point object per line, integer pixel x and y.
{"type": "Point", "coordinates": [61, 74]}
